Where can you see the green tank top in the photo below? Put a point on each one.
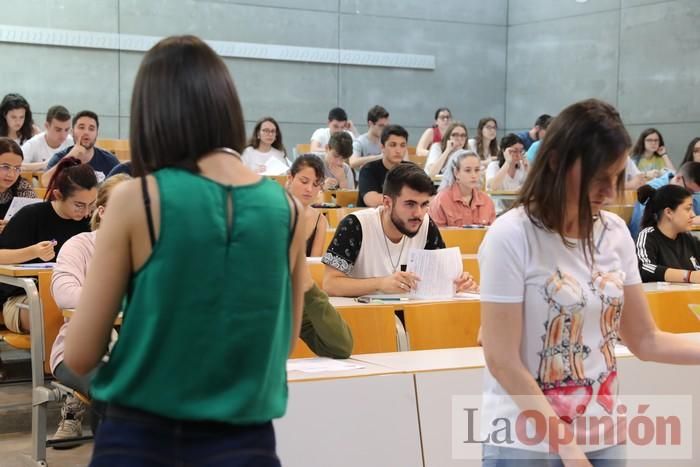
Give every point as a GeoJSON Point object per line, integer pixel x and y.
{"type": "Point", "coordinates": [653, 163]}
{"type": "Point", "coordinates": [207, 322]}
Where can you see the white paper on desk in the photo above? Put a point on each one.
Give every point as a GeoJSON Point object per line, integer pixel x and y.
{"type": "Point", "coordinates": [320, 365]}
{"type": "Point", "coordinates": [274, 166]}
{"type": "Point", "coordinates": [437, 270]}
{"type": "Point", "coordinates": [18, 203]}
{"type": "Point", "coordinates": [468, 296]}
{"type": "Point", "coordinates": [36, 266]}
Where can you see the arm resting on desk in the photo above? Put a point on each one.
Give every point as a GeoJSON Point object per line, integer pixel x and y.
{"type": "Point", "coordinates": [322, 327]}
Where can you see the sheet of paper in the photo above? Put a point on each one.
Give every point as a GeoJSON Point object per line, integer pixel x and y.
{"type": "Point", "coordinates": [321, 364]}
{"type": "Point", "coordinates": [437, 270]}
{"type": "Point", "coordinates": [468, 296]}
{"type": "Point", "coordinates": [274, 166]}
{"type": "Point", "coordinates": [18, 203]}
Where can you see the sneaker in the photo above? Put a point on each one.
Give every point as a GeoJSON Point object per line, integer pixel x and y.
{"type": "Point", "coordinates": [71, 423]}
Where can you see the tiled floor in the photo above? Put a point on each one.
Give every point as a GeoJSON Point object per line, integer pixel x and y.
{"type": "Point", "coordinates": [15, 449]}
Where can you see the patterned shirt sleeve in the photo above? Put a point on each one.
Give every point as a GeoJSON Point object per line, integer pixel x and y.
{"type": "Point", "coordinates": [434, 240]}
{"type": "Point", "coordinates": [25, 190]}
{"type": "Point", "coordinates": [345, 246]}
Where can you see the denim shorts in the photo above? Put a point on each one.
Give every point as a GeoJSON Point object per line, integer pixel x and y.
{"type": "Point", "coordinates": [132, 438]}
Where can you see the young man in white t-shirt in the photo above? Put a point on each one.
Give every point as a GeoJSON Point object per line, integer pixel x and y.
{"type": "Point", "coordinates": [369, 251]}
{"type": "Point", "coordinates": [56, 137]}
{"type": "Point", "coordinates": [337, 121]}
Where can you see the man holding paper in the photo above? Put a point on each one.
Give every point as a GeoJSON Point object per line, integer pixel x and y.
{"type": "Point", "coordinates": [370, 249]}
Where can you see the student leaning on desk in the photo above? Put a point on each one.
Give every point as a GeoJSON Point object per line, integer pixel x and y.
{"type": "Point", "coordinates": [370, 247]}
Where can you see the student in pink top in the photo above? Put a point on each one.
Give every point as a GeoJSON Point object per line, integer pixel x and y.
{"type": "Point", "coordinates": [459, 200]}
{"type": "Point", "coordinates": [66, 285]}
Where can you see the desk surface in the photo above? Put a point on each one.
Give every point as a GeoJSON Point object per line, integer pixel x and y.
{"type": "Point", "coordinates": [17, 271]}
{"type": "Point", "coordinates": [368, 369]}
{"type": "Point", "coordinates": [346, 302]}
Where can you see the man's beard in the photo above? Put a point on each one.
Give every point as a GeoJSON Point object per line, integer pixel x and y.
{"type": "Point", "coordinates": [401, 226]}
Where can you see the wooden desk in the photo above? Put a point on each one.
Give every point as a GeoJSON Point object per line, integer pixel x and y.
{"type": "Point", "coordinates": [341, 197]}
{"type": "Point", "coordinates": [623, 210]}
{"type": "Point", "coordinates": [470, 263]}
{"type": "Point", "coordinates": [69, 312]}
{"type": "Point", "coordinates": [669, 306]}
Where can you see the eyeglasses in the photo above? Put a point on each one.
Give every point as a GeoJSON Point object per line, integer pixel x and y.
{"type": "Point", "coordinates": [458, 135]}
{"type": "Point", "coordinates": [82, 207]}
{"type": "Point", "coordinates": [5, 168]}
{"type": "Point", "coordinates": [444, 117]}
{"type": "Point", "coordinates": [268, 131]}
{"type": "Point", "coordinates": [651, 140]}
{"type": "Point", "coordinates": [491, 127]}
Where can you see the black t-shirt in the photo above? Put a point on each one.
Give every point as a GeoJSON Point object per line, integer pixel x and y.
{"type": "Point", "coordinates": [656, 253]}
{"type": "Point", "coordinates": [33, 224]}
{"type": "Point", "coordinates": [371, 178]}
{"type": "Point", "coordinates": [345, 247]}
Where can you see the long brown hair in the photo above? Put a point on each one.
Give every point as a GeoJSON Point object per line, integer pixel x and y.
{"type": "Point", "coordinates": [448, 133]}
{"type": "Point", "coordinates": [590, 131]}
{"type": "Point", "coordinates": [254, 140]}
{"type": "Point", "coordinates": [493, 145]}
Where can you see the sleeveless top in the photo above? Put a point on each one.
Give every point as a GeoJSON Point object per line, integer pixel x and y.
{"type": "Point", "coordinates": [310, 240]}
{"type": "Point", "coordinates": [207, 322]}
{"type": "Point", "coordinates": [437, 135]}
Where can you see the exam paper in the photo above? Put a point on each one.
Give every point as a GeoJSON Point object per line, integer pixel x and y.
{"type": "Point", "coordinates": [18, 203]}
{"type": "Point", "coordinates": [274, 166]}
{"type": "Point", "coordinates": [437, 270]}
{"type": "Point", "coordinates": [320, 365]}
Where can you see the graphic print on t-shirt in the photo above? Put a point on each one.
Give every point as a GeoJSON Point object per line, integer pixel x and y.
{"type": "Point", "coordinates": [561, 370]}
{"type": "Point", "coordinates": [561, 373]}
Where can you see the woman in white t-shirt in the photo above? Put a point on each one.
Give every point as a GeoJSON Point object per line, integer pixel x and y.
{"type": "Point", "coordinates": [485, 144]}
{"type": "Point", "coordinates": [264, 145]}
{"type": "Point", "coordinates": [559, 286]}
{"type": "Point", "coordinates": [509, 171]}
{"type": "Point", "coordinates": [454, 139]}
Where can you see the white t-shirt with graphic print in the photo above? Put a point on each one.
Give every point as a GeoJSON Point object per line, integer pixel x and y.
{"type": "Point", "coordinates": [571, 313]}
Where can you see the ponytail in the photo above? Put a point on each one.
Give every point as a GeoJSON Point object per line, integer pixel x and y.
{"type": "Point", "coordinates": [669, 196]}
{"type": "Point", "coordinates": [70, 175]}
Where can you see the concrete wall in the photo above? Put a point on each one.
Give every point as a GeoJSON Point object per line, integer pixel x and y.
{"type": "Point", "coordinates": [637, 54]}
{"type": "Point", "coordinates": [467, 38]}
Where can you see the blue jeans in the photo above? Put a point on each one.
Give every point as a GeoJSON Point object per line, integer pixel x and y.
{"type": "Point", "coordinates": [130, 438]}
{"type": "Point", "coordinates": [498, 456]}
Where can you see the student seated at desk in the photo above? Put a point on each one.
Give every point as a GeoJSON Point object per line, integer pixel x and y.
{"type": "Point", "coordinates": [39, 148]}
{"type": "Point", "coordinates": [304, 182]}
{"type": "Point", "coordinates": [666, 250]}
{"type": "Point", "coordinates": [265, 144]}
{"type": "Point", "coordinates": [454, 139]}
{"type": "Point", "coordinates": [371, 179]}
{"type": "Point", "coordinates": [72, 193]}
{"type": "Point", "coordinates": [459, 200]}
{"type": "Point", "coordinates": [338, 173]}
{"type": "Point", "coordinates": [11, 184]}
{"type": "Point", "coordinates": [508, 173]}
{"type": "Point", "coordinates": [688, 176]}
{"type": "Point", "coordinates": [66, 284]}
{"type": "Point", "coordinates": [371, 246]}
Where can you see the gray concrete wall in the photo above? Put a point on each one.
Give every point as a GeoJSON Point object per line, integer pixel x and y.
{"type": "Point", "coordinates": [640, 55]}
{"type": "Point", "coordinates": [467, 38]}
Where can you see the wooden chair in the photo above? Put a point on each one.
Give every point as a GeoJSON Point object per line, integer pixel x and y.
{"type": "Point", "coordinates": [671, 312]}
{"type": "Point", "coordinates": [118, 147]}
{"type": "Point", "coordinates": [40, 192]}
{"type": "Point", "coordinates": [442, 325]}
{"type": "Point", "coordinates": [419, 160]}
{"type": "Point", "coordinates": [342, 197]}
{"type": "Point", "coordinates": [628, 197]}
{"type": "Point", "coordinates": [302, 149]}
{"type": "Point", "coordinates": [334, 216]}
{"type": "Point", "coordinates": [623, 210]}
{"type": "Point", "coordinates": [281, 179]}
{"type": "Point", "coordinates": [468, 240]}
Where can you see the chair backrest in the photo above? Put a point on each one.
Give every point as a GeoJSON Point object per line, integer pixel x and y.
{"type": "Point", "coordinates": [468, 240]}
{"type": "Point", "coordinates": [342, 197]}
{"type": "Point", "coordinates": [419, 160]}
{"type": "Point", "coordinates": [373, 328]}
{"type": "Point", "coordinates": [118, 147]}
{"type": "Point", "coordinates": [334, 216]}
{"type": "Point", "coordinates": [53, 318]}
{"type": "Point", "coordinates": [442, 325]}
{"type": "Point", "coordinates": [40, 192]}
{"type": "Point", "coordinates": [302, 149]}
{"type": "Point", "coordinates": [281, 179]}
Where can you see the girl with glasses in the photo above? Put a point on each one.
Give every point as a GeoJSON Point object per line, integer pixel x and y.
{"type": "Point", "coordinates": [265, 144]}
{"type": "Point", "coordinates": [11, 184]}
{"type": "Point", "coordinates": [649, 153]}
{"type": "Point", "coordinates": [71, 198]}
{"type": "Point", "coordinates": [453, 139]}
{"type": "Point", "coordinates": [485, 144]}
{"type": "Point", "coordinates": [443, 118]}
{"type": "Point", "coordinates": [692, 153]}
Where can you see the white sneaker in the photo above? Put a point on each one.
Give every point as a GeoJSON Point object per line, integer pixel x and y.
{"type": "Point", "coordinates": [71, 423]}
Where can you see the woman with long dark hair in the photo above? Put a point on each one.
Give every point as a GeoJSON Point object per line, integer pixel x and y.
{"type": "Point", "coordinates": [16, 120]}
{"type": "Point", "coordinates": [649, 153]}
{"type": "Point", "coordinates": [265, 143]}
{"type": "Point", "coordinates": [559, 287]}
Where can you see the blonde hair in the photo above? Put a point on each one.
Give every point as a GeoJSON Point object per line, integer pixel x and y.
{"type": "Point", "coordinates": [103, 192]}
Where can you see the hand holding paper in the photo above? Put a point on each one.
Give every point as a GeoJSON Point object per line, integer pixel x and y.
{"type": "Point", "coordinates": [440, 273]}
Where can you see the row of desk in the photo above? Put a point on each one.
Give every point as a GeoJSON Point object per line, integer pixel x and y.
{"type": "Point", "coordinates": [397, 410]}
